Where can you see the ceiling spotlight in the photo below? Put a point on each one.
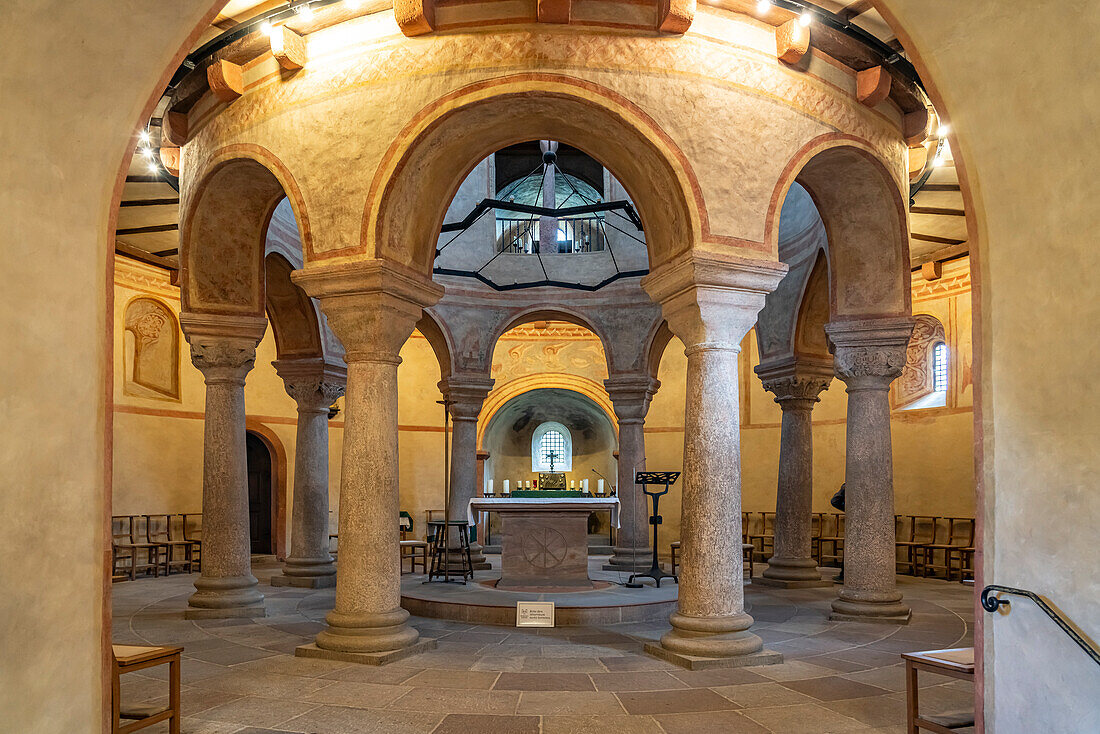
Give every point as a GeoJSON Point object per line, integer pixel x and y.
{"type": "Point", "coordinates": [267, 28]}
{"type": "Point", "coordinates": [154, 168]}
{"type": "Point", "coordinates": [763, 6]}
{"type": "Point", "coordinates": [943, 130]}
{"type": "Point", "coordinates": [145, 137]}
{"type": "Point", "coordinates": [147, 152]}
{"type": "Point", "coordinates": [355, 4]}
{"type": "Point", "coordinates": [305, 12]}
{"type": "Point", "coordinates": [805, 19]}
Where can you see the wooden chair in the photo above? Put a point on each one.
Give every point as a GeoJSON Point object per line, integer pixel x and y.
{"type": "Point", "coordinates": [765, 536]}
{"type": "Point", "coordinates": [747, 551]}
{"type": "Point", "coordinates": [831, 544]}
{"type": "Point", "coordinates": [130, 658]}
{"type": "Point", "coordinates": [816, 523]}
{"type": "Point", "coordinates": [965, 566]}
{"type": "Point", "coordinates": [904, 559]}
{"type": "Point", "coordinates": [177, 531]}
{"type": "Point", "coordinates": [924, 532]}
{"type": "Point", "coordinates": [192, 532]}
{"type": "Point", "coordinates": [156, 531]}
{"type": "Point", "coordinates": [123, 547]}
{"type": "Point", "coordinates": [411, 548]}
{"type": "Point", "coordinates": [956, 532]}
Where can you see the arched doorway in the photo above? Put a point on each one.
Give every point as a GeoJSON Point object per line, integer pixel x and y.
{"type": "Point", "coordinates": [260, 494]}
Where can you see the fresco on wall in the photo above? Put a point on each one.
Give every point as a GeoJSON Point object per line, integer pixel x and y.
{"type": "Point", "coordinates": [917, 379]}
{"type": "Point", "coordinates": [151, 350]}
{"type": "Point", "coordinates": [548, 347]}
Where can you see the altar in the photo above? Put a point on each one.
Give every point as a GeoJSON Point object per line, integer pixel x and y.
{"type": "Point", "coordinates": [545, 539]}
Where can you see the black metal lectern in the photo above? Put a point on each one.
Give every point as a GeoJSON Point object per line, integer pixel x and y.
{"type": "Point", "coordinates": [646, 479]}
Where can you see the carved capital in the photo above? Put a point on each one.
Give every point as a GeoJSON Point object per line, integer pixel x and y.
{"type": "Point", "coordinates": [223, 348]}
{"type": "Point", "coordinates": [796, 383]}
{"type": "Point", "coordinates": [869, 354]}
{"type": "Point", "coordinates": [313, 383]}
{"type": "Point", "coordinates": [710, 300]}
{"type": "Point", "coordinates": [372, 305]}
{"type": "Point", "coordinates": [796, 388]}
{"type": "Point", "coordinates": [467, 394]}
{"type": "Point", "coordinates": [630, 395]}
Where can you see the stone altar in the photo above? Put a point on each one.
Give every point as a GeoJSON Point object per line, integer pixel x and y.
{"type": "Point", "coordinates": [545, 540]}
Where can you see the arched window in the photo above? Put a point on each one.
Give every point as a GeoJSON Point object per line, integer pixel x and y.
{"type": "Point", "coordinates": [551, 444]}
{"type": "Point", "coordinates": [923, 382]}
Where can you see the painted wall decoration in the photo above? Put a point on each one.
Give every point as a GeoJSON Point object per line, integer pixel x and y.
{"type": "Point", "coordinates": [917, 379]}
{"type": "Point", "coordinates": [151, 350]}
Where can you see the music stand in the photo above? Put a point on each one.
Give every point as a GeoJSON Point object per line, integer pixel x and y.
{"type": "Point", "coordinates": [646, 479]}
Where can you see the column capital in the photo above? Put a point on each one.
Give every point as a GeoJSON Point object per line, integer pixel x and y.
{"type": "Point", "coordinates": [467, 394]}
{"type": "Point", "coordinates": [630, 395]}
{"type": "Point", "coordinates": [314, 383]}
{"type": "Point", "coordinates": [372, 305]}
{"type": "Point", "coordinates": [869, 353]}
{"type": "Point", "coordinates": [711, 301]}
{"type": "Point", "coordinates": [223, 347]}
{"type": "Point", "coordinates": [796, 382]}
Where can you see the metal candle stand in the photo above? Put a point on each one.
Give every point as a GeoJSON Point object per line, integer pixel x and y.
{"type": "Point", "coordinates": [645, 479]}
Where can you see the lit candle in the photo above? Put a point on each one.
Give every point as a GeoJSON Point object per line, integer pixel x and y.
{"type": "Point", "coordinates": [505, 487]}
{"type": "Point", "coordinates": [599, 486]}
{"type": "Point", "coordinates": [527, 485]}
{"type": "Point", "coordinates": [572, 484]}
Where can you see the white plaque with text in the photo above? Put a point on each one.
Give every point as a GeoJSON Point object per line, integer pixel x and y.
{"type": "Point", "coordinates": [534, 614]}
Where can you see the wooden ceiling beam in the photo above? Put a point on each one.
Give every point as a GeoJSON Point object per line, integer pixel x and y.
{"type": "Point", "coordinates": [151, 229]}
{"type": "Point", "coordinates": [136, 253]}
{"type": "Point", "coordinates": [944, 211]}
{"type": "Point", "coordinates": [933, 238]}
{"type": "Point", "coordinates": [151, 202]}
{"type": "Point", "coordinates": [792, 41]}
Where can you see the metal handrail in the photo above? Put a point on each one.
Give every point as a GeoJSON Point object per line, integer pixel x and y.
{"type": "Point", "coordinates": [992, 604]}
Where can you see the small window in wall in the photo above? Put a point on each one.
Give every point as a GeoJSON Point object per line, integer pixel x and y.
{"type": "Point", "coordinates": [923, 382]}
{"type": "Point", "coordinates": [551, 444]}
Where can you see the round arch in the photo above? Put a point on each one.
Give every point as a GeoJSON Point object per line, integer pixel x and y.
{"type": "Point", "coordinates": [500, 397]}
{"type": "Point", "coordinates": [225, 211]}
{"type": "Point", "coordinates": [278, 481]}
{"type": "Point", "coordinates": [434, 330]}
{"type": "Point", "coordinates": [294, 320]}
{"type": "Point", "coordinates": [863, 209]}
{"type": "Point", "coordinates": [403, 215]}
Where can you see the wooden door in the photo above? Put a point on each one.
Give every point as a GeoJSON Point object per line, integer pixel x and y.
{"type": "Point", "coordinates": [259, 494]}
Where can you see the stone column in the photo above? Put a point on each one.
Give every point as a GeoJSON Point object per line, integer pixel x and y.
{"type": "Point", "coordinates": [467, 394]}
{"type": "Point", "coordinates": [223, 348]}
{"type": "Point", "coordinates": [315, 386]}
{"type": "Point", "coordinates": [868, 356]}
{"type": "Point", "coordinates": [372, 307]}
{"type": "Point", "coordinates": [796, 386]}
{"type": "Point", "coordinates": [710, 303]}
{"type": "Point", "coordinates": [630, 396]}
{"type": "Point", "coordinates": [548, 226]}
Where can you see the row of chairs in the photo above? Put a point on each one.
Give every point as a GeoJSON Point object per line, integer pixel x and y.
{"type": "Point", "coordinates": [152, 543]}
{"type": "Point", "coordinates": [927, 545]}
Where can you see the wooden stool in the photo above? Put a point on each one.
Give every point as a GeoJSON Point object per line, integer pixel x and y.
{"type": "Point", "coordinates": [130, 658]}
{"type": "Point", "coordinates": [955, 663]}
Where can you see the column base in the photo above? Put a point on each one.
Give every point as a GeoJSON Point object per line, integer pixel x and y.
{"type": "Point", "coordinates": [367, 632]}
{"type": "Point", "coordinates": [791, 573]}
{"type": "Point", "coordinates": [711, 637]}
{"type": "Point", "coordinates": [364, 658]}
{"type": "Point", "coordinates": [696, 662]}
{"type": "Point", "coordinates": [630, 559]}
{"type": "Point", "coordinates": [228, 597]}
{"type": "Point", "coordinates": [305, 582]}
{"type": "Point", "coordinates": [874, 607]}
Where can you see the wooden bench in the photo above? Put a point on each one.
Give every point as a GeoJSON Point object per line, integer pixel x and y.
{"type": "Point", "coordinates": [130, 658]}
{"type": "Point", "coordinates": [747, 552]}
{"type": "Point", "coordinates": [125, 547]}
{"type": "Point", "coordinates": [157, 530]}
{"type": "Point", "coordinates": [954, 663]}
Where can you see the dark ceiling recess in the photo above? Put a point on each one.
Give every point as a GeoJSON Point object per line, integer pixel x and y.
{"type": "Point", "coordinates": [517, 161]}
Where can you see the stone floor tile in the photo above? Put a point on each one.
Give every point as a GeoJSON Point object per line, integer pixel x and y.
{"type": "Point", "coordinates": [719, 677]}
{"type": "Point", "coordinates": [793, 670]}
{"type": "Point", "coordinates": [544, 682]}
{"type": "Point", "coordinates": [274, 685]}
{"type": "Point", "coordinates": [484, 724]}
{"type": "Point", "coordinates": [891, 677]}
{"type": "Point", "coordinates": [804, 719]}
{"type": "Point", "coordinates": [551, 703]}
{"type": "Point", "coordinates": [834, 688]}
{"type": "Point", "coordinates": [674, 702]}
{"type": "Point", "coordinates": [255, 711]}
{"type": "Point", "coordinates": [448, 679]}
{"type": "Point", "coordinates": [342, 720]}
{"type": "Point", "coordinates": [456, 701]}
{"type": "Point", "coordinates": [390, 675]}
{"type": "Point", "coordinates": [636, 681]}
{"type": "Point", "coordinates": [621, 724]}
{"type": "Point", "coordinates": [357, 695]}
{"type": "Point", "coordinates": [231, 654]}
{"type": "Point", "coordinates": [626, 663]}
{"type": "Point", "coordinates": [498, 664]}
{"type": "Point", "coordinates": [726, 722]}
{"type": "Point", "coordinates": [304, 667]}
{"type": "Point", "coordinates": [758, 695]}
{"type": "Point", "coordinates": [563, 665]}
{"type": "Point", "coordinates": [879, 711]}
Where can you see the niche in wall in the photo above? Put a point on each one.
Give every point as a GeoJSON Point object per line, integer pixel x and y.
{"type": "Point", "coordinates": [151, 355]}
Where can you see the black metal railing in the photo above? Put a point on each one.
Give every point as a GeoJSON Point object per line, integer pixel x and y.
{"type": "Point", "coordinates": [521, 236]}
{"type": "Point", "coordinates": [991, 604]}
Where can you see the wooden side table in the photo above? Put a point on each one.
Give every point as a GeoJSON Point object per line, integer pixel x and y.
{"type": "Point", "coordinates": [954, 663]}
{"type": "Point", "coordinates": [130, 658]}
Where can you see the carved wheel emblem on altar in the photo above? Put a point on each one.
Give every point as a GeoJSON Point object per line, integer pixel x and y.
{"type": "Point", "coordinates": [544, 547]}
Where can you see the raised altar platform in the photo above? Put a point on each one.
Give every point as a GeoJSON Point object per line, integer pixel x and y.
{"type": "Point", "coordinates": [481, 603]}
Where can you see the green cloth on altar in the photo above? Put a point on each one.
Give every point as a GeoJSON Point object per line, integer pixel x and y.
{"type": "Point", "coordinates": [549, 493]}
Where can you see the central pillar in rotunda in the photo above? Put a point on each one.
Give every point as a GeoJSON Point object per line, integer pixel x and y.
{"type": "Point", "coordinates": [710, 303]}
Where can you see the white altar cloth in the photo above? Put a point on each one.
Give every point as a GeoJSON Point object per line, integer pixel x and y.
{"type": "Point", "coordinates": [495, 504]}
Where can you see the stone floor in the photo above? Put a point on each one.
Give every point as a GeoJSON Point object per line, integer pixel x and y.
{"type": "Point", "coordinates": [240, 676]}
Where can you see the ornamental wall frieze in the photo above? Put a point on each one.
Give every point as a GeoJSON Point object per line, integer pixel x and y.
{"type": "Point", "coordinates": [467, 58]}
{"type": "Point", "coordinates": [924, 290]}
{"type": "Point", "coordinates": [129, 273]}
